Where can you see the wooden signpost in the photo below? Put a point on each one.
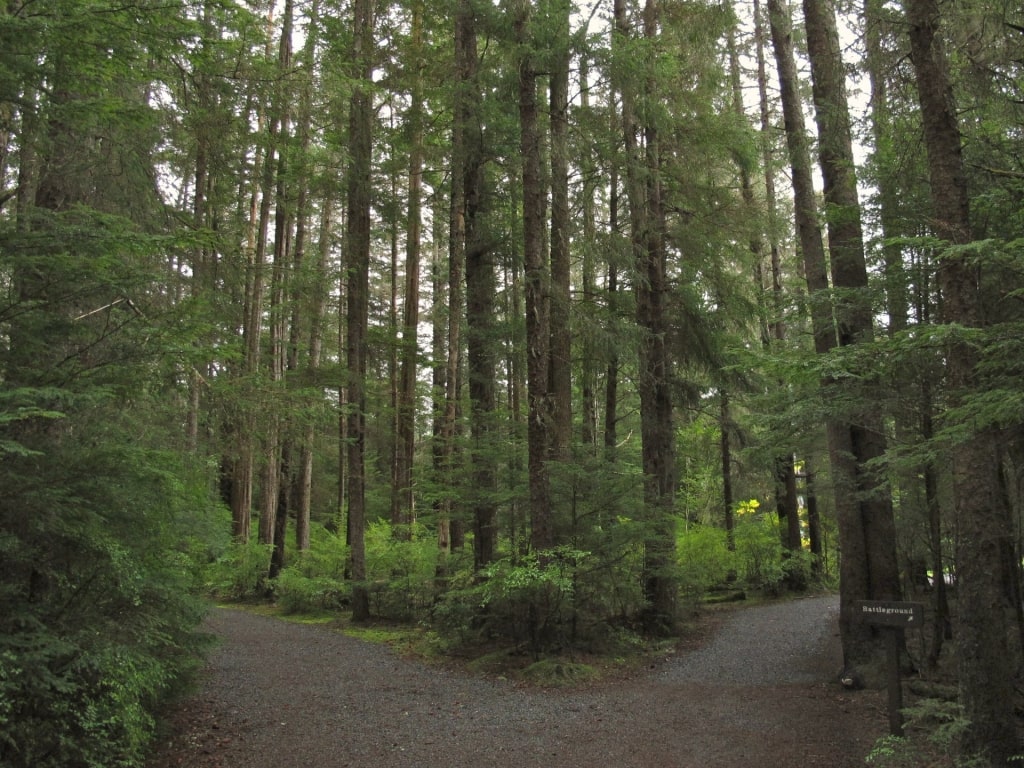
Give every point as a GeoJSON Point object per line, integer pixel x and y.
{"type": "Point", "coordinates": [895, 617]}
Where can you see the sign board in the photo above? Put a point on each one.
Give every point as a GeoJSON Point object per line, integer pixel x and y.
{"type": "Point", "coordinates": [890, 613]}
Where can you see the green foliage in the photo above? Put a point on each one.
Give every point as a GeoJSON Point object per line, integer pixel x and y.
{"type": "Point", "coordinates": [316, 580]}
{"type": "Point", "coordinates": [97, 591]}
{"type": "Point", "coordinates": [758, 561]}
{"type": "Point", "coordinates": [240, 573]}
{"type": "Point", "coordinates": [942, 720]}
{"type": "Point", "coordinates": [529, 600]}
{"type": "Point", "coordinates": [893, 752]}
{"type": "Point", "coordinates": [759, 547]}
{"type": "Point", "coordinates": [401, 570]}
{"type": "Point", "coordinates": [705, 560]}
{"type": "Point", "coordinates": [297, 593]}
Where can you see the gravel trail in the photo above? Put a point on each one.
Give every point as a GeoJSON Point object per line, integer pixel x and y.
{"type": "Point", "coordinates": [759, 693]}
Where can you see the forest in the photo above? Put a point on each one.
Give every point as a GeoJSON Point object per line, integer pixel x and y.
{"type": "Point", "coordinates": [532, 320]}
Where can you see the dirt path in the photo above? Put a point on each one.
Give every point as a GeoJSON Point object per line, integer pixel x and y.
{"type": "Point", "coordinates": [758, 693]}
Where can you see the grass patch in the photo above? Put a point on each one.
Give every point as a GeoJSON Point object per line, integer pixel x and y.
{"type": "Point", "coordinates": [557, 672]}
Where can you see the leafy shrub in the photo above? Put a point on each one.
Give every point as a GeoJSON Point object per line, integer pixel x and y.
{"type": "Point", "coordinates": [98, 594]}
{"type": "Point", "coordinates": [327, 555]}
{"type": "Point", "coordinates": [295, 592]}
{"type": "Point", "coordinates": [528, 600]}
{"type": "Point", "coordinates": [704, 558]}
{"type": "Point", "coordinates": [400, 570]}
{"type": "Point", "coordinates": [240, 573]}
{"type": "Point", "coordinates": [758, 548]}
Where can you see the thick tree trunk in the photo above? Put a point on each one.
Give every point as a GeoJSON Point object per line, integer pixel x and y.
{"type": "Point", "coordinates": [481, 351]}
{"type": "Point", "coordinates": [854, 578]}
{"type": "Point", "coordinates": [984, 526]}
{"type": "Point", "coordinates": [357, 251]}
{"type": "Point", "coordinates": [849, 276]}
{"type": "Point", "coordinates": [656, 417]}
{"type": "Point", "coordinates": [542, 533]}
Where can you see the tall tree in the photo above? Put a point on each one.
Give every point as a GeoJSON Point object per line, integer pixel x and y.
{"type": "Point", "coordinates": [481, 280]}
{"type": "Point", "coordinates": [560, 366]}
{"type": "Point", "coordinates": [402, 492]}
{"type": "Point", "coordinates": [647, 234]}
{"type": "Point", "coordinates": [537, 278]}
{"type": "Point", "coordinates": [815, 273]}
{"type": "Point", "coordinates": [986, 690]}
{"type": "Point", "coordinates": [357, 264]}
{"type": "Point", "coordinates": [853, 307]}
{"type": "Point", "coordinates": [273, 514]}
{"type": "Point", "coordinates": [309, 296]}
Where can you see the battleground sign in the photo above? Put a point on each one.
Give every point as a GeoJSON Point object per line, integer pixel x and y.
{"type": "Point", "coordinates": [896, 616]}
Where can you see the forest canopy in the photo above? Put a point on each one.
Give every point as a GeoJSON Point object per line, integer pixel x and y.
{"type": "Point", "coordinates": [533, 321]}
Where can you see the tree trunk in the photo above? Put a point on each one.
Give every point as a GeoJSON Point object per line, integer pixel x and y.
{"type": "Point", "coordinates": [853, 309]}
{"type": "Point", "coordinates": [611, 378]}
{"type": "Point", "coordinates": [588, 357]}
{"type": "Point", "coordinates": [542, 534]}
{"type": "Point", "coordinates": [357, 234]}
{"type": "Point", "coordinates": [656, 422]}
{"type": "Point", "coordinates": [560, 372]}
{"type": "Point", "coordinates": [725, 445]}
{"type": "Point", "coordinates": [853, 577]}
{"type": "Point", "coordinates": [402, 507]}
{"type": "Point", "coordinates": [309, 301]}
{"type": "Point", "coordinates": [773, 327]}
{"type": "Point", "coordinates": [481, 351]}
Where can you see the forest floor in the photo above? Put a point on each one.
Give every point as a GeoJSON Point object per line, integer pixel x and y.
{"type": "Point", "coordinates": [752, 687]}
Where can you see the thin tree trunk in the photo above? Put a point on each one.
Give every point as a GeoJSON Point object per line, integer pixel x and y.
{"type": "Point", "coordinates": [560, 371]}
{"type": "Point", "coordinates": [316, 293]}
{"type": "Point", "coordinates": [438, 381]}
{"type": "Point", "coordinates": [774, 328]}
{"type": "Point", "coordinates": [724, 425]}
{"type": "Point", "coordinates": [274, 496]}
{"type": "Point", "coordinates": [588, 354]}
{"type": "Point", "coordinates": [611, 379]}
{"type": "Point", "coordinates": [450, 528]}
{"type": "Point", "coordinates": [403, 510]}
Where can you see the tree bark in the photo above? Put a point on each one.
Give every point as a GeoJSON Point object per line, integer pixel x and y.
{"type": "Point", "coordinates": [588, 358]}
{"type": "Point", "coordinates": [274, 491]}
